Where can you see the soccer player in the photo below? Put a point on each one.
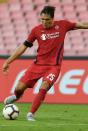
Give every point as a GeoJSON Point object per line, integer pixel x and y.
{"type": "Point", "coordinates": [50, 36]}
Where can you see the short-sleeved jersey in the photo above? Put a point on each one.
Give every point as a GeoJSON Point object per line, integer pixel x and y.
{"type": "Point", "coordinates": [50, 42]}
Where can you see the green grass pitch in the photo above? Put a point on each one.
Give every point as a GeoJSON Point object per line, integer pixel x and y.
{"type": "Point", "coordinates": [49, 117]}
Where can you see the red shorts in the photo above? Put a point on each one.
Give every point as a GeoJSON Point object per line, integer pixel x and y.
{"type": "Point", "coordinates": [35, 72]}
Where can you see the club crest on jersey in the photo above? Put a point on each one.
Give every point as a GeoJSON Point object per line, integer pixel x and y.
{"type": "Point", "coordinates": [56, 27]}
{"type": "Point", "coordinates": [43, 36]}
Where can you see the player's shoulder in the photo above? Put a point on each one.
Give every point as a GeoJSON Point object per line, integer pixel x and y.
{"type": "Point", "coordinates": [61, 21]}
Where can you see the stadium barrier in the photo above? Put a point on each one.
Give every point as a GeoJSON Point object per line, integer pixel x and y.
{"type": "Point", "coordinates": [70, 87]}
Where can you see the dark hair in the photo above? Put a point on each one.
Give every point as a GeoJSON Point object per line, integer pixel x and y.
{"type": "Point", "coordinates": [48, 10]}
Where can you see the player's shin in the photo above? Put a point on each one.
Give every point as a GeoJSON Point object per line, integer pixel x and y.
{"type": "Point", "coordinates": [38, 100]}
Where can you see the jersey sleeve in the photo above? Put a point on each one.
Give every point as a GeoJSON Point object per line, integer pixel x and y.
{"type": "Point", "coordinates": [32, 36]}
{"type": "Point", "coordinates": [69, 25]}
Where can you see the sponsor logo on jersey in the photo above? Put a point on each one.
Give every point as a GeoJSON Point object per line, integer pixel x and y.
{"type": "Point", "coordinates": [49, 36]}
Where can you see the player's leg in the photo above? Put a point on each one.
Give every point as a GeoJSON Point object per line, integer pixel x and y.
{"type": "Point", "coordinates": [21, 86]}
{"type": "Point", "coordinates": [48, 80]}
{"type": "Point", "coordinates": [17, 94]}
{"type": "Point", "coordinates": [38, 100]}
{"type": "Point", "coordinates": [40, 96]}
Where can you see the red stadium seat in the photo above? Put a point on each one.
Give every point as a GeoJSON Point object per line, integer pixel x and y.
{"type": "Point", "coordinates": [68, 8]}
{"type": "Point", "coordinates": [26, 1]}
{"type": "Point", "coordinates": [13, 1]}
{"type": "Point", "coordinates": [39, 2]}
{"type": "Point", "coordinates": [1, 45]}
{"type": "Point", "coordinates": [16, 15]}
{"type": "Point", "coordinates": [3, 52]}
{"type": "Point", "coordinates": [81, 8]}
{"type": "Point", "coordinates": [77, 2]}
{"type": "Point", "coordinates": [9, 40]}
{"type": "Point", "coordinates": [66, 2]}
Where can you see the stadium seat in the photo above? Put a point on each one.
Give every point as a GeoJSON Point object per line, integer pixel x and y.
{"type": "Point", "coordinates": [3, 7]}
{"type": "Point", "coordinates": [77, 40]}
{"type": "Point", "coordinates": [16, 15]}
{"type": "Point", "coordinates": [27, 7]}
{"type": "Point", "coordinates": [77, 2]}
{"type": "Point", "coordinates": [68, 8]}
{"type": "Point", "coordinates": [13, 1]}
{"type": "Point", "coordinates": [31, 15]}
{"type": "Point", "coordinates": [1, 46]}
{"type": "Point", "coordinates": [64, 2]}
{"type": "Point", "coordinates": [81, 8]}
{"type": "Point", "coordinates": [70, 53]}
{"type": "Point", "coordinates": [39, 2]}
{"type": "Point", "coordinates": [9, 40]}
{"type": "Point", "coordinates": [54, 3]}
{"type": "Point", "coordinates": [26, 1]}
{"type": "Point", "coordinates": [3, 51]}
{"type": "Point", "coordinates": [70, 15]}
{"type": "Point", "coordinates": [14, 7]}
{"type": "Point", "coordinates": [83, 16]}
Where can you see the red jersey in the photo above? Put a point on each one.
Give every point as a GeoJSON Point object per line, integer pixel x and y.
{"type": "Point", "coordinates": [50, 42]}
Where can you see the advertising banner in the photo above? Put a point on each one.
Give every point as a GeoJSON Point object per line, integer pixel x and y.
{"type": "Point", "coordinates": [70, 87]}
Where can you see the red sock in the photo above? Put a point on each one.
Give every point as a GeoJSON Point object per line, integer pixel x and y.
{"type": "Point", "coordinates": [38, 100]}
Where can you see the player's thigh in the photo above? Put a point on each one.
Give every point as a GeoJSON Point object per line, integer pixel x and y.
{"type": "Point", "coordinates": [29, 78]}
{"type": "Point", "coordinates": [50, 77]}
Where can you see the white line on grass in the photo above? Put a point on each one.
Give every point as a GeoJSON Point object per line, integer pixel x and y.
{"type": "Point", "coordinates": [47, 125]}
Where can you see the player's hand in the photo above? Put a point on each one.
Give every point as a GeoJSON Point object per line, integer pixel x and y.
{"type": "Point", "coordinates": [5, 68]}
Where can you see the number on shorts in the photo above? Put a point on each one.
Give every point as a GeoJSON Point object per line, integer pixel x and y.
{"type": "Point", "coordinates": [51, 77]}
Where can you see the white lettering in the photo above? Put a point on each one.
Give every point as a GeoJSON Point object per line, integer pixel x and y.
{"type": "Point", "coordinates": [16, 80]}
{"type": "Point", "coordinates": [68, 80]}
{"type": "Point", "coordinates": [85, 86]}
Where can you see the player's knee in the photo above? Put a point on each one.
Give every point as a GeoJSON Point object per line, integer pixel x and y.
{"type": "Point", "coordinates": [45, 85]}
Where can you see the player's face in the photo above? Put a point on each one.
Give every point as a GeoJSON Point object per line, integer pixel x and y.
{"type": "Point", "coordinates": [46, 20]}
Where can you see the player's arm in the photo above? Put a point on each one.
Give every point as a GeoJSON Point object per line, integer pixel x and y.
{"type": "Point", "coordinates": [20, 50]}
{"type": "Point", "coordinates": [17, 53]}
{"type": "Point", "coordinates": [80, 25]}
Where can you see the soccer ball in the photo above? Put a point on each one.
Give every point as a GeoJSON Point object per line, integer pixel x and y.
{"type": "Point", "coordinates": [10, 112]}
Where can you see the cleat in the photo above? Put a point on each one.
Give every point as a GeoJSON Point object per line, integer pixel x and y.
{"type": "Point", "coordinates": [9, 100]}
{"type": "Point", "coordinates": [30, 117]}
{"type": "Point", "coordinates": [6, 101]}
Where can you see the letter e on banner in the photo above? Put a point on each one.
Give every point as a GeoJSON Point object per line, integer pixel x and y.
{"type": "Point", "coordinates": [68, 80]}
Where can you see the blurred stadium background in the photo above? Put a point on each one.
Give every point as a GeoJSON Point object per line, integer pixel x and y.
{"type": "Point", "coordinates": [18, 17]}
